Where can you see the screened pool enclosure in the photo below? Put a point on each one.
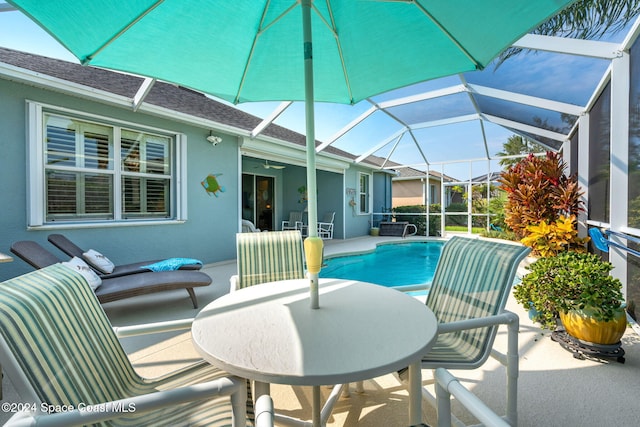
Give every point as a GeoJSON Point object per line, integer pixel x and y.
{"type": "Point", "coordinates": [578, 97]}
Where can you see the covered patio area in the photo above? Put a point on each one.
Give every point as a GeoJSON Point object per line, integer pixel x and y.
{"type": "Point", "coordinates": [554, 387]}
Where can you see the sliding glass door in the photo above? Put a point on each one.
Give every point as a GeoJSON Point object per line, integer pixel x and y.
{"type": "Point", "coordinates": [257, 200]}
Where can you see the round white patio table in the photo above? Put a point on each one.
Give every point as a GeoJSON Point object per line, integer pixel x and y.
{"type": "Point", "coordinates": [269, 333]}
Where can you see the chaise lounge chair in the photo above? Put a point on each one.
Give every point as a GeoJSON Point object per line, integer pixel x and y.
{"type": "Point", "coordinates": [120, 287]}
{"type": "Point", "coordinates": [71, 249]}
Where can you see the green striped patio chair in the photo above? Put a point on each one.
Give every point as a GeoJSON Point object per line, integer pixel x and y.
{"type": "Point", "coordinates": [468, 295]}
{"type": "Point", "coordinates": [271, 256]}
{"type": "Point", "coordinates": [266, 257]}
{"type": "Point", "coordinates": [60, 351]}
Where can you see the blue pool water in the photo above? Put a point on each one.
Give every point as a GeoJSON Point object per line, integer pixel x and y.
{"type": "Point", "coordinates": [389, 265]}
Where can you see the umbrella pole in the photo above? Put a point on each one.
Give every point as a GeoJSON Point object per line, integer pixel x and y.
{"type": "Point", "coordinates": [311, 150]}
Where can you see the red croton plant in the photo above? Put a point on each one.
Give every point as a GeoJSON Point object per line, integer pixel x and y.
{"type": "Point", "coordinates": [539, 191]}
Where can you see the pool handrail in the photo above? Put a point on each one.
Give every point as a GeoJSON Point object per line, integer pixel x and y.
{"type": "Point", "coordinates": [602, 243]}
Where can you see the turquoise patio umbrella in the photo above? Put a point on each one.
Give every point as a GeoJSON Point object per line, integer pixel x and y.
{"type": "Point", "coordinates": [297, 50]}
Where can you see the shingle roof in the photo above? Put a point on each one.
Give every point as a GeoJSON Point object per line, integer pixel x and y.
{"type": "Point", "coordinates": [408, 173]}
{"type": "Point", "coordinates": [493, 177]}
{"type": "Point", "coordinates": [162, 94]}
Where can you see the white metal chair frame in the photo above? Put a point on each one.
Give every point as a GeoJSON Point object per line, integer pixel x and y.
{"type": "Point", "coordinates": [472, 281]}
{"type": "Point", "coordinates": [58, 348]}
{"type": "Point", "coordinates": [294, 222]}
{"type": "Point", "coordinates": [234, 387]}
{"type": "Point", "coordinates": [447, 385]}
{"type": "Point", "coordinates": [325, 227]}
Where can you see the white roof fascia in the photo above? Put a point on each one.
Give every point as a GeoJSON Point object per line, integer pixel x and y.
{"type": "Point", "coordinates": [261, 146]}
{"type": "Point", "coordinates": [187, 118]}
{"type": "Point", "coordinates": [526, 128]}
{"type": "Point", "coordinates": [291, 153]}
{"type": "Point", "coordinates": [451, 90]}
{"type": "Point", "coordinates": [271, 118]}
{"type": "Point", "coordinates": [534, 101]}
{"type": "Point", "coordinates": [579, 47]}
{"type": "Point", "coordinates": [44, 81]}
{"type": "Point", "coordinates": [346, 129]}
{"type": "Point", "coordinates": [32, 78]}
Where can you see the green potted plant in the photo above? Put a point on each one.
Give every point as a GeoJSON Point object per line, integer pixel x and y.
{"type": "Point", "coordinates": [576, 288]}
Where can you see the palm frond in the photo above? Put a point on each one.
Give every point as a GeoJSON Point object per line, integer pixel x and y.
{"type": "Point", "coordinates": [586, 19]}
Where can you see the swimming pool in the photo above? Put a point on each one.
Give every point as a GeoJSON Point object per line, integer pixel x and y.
{"type": "Point", "coordinates": [391, 265]}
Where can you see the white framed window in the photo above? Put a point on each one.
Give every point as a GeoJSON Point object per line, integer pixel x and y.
{"type": "Point", "coordinates": [364, 193]}
{"type": "Point", "coordinates": [85, 169]}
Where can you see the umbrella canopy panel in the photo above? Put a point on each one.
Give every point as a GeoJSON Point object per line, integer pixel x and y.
{"type": "Point", "coordinates": [252, 50]}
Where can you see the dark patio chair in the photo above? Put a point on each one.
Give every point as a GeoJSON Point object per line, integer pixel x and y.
{"type": "Point", "coordinates": [68, 247]}
{"type": "Point", "coordinates": [120, 287]}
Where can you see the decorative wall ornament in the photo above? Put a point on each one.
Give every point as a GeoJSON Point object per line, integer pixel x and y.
{"type": "Point", "coordinates": [211, 184]}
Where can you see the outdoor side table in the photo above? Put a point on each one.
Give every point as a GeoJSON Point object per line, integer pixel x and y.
{"type": "Point", "coordinates": [270, 334]}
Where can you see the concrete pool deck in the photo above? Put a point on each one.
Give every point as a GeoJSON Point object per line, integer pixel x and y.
{"type": "Point", "coordinates": [555, 389]}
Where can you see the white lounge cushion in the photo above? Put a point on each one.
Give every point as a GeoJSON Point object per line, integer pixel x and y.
{"type": "Point", "coordinates": [81, 267]}
{"type": "Point", "coordinates": [99, 261]}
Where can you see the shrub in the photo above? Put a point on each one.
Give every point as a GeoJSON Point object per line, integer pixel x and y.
{"type": "Point", "coordinates": [538, 191]}
{"type": "Point", "coordinates": [419, 220]}
{"type": "Point", "coordinates": [550, 239]}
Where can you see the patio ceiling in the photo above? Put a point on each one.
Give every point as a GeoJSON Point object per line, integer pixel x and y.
{"type": "Point", "coordinates": [538, 94]}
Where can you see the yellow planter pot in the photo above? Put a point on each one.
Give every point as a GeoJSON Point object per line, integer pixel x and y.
{"type": "Point", "coordinates": [581, 325]}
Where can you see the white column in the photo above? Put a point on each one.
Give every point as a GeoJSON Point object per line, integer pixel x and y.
{"type": "Point", "coordinates": [619, 195]}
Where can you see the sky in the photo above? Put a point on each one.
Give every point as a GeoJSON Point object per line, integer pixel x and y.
{"type": "Point", "coordinates": [527, 74]}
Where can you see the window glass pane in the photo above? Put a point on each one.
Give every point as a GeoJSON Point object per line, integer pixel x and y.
{"type": "Point", "coordinates": [96, 150]}
{"type": "Point", "coordinates": [60, 142]}
{"type": "Point", "coordinates": [364, 193]}
{"type": "Point", "coordinates": [61, 193]}
{"type": "Point", "coordinates": [77, 144]}
{"type": "Point", "coordinates": [599, 157]}
{"type": "Point", "coordinates": [130, 152]}
{"type": "Point", "coordinates": [79, 171]}
{"type": "Point", "coordinates": [145, 197]}
{"type": "Point", "coordinates": [98, 195]}
{"type": "Point", "coordinates": [157, 155]}
{"type": "Point", "coordinates": [73, 195]}
{"type": "Point", "coordinates": [145, 153]}
{"type": "Point", "coordinates": [158, 196]}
